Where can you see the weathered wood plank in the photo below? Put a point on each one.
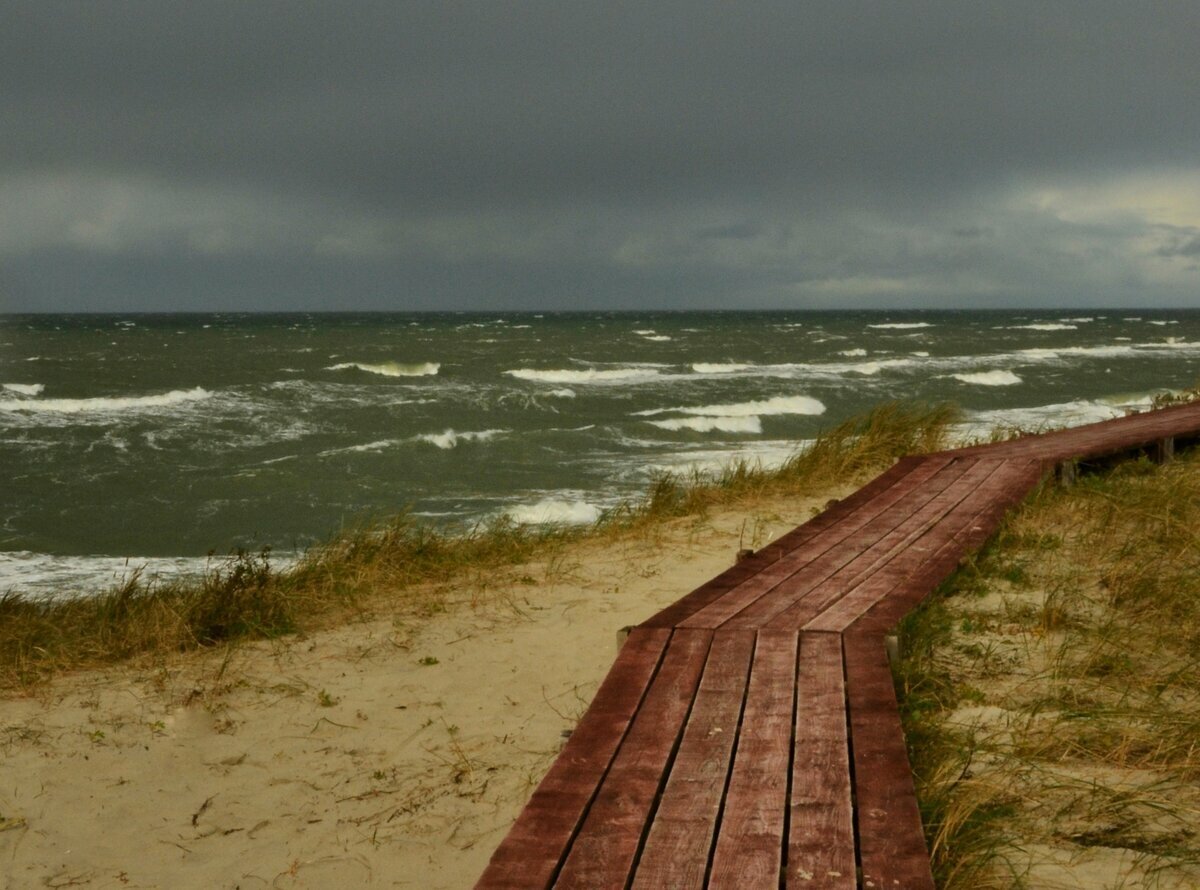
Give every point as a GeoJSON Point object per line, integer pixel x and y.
{"type": "Point", "coordinates": [1022, 477]}
{"type": "Point", "coordinates": [749, 850]}
{"type": "Point", "coordinates": [747, 579]}
{"type": "Point", "coordinates": [892, 850]}
{"type": "Point", "coordinates": [530, 855]}
{"type": "Point", "coordinates": [868, 547]}
{"type": "Point", "coordinates": [883, 563]}
{"type": "Point", "coordinates": [913, 555]}
{"type": "Point", "coordinates": [851, 528]}
{"type": "Point", "coordinates": [603, 852]}
{"type": "Point", "coordinates": [680, 840]}
{"type": "Point", "coordinates": [820, 851]}
{"type": "Point", "coordinates": [738, 574]}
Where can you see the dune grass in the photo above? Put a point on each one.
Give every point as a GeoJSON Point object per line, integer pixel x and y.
{"type": "Point", "coordinates": [398, 561]}
{"type": "Point", "coordinates": [1051, 691]}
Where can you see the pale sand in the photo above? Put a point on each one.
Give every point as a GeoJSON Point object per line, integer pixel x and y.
{"type": "Point", "coordinates": [340, 760]}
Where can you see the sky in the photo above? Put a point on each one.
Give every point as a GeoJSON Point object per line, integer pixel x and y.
{"type": "Point", "coordinates": [218, 156]}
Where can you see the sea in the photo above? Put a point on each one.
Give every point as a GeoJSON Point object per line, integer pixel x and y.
{"type": "Point", "coordinates": [160, 443]}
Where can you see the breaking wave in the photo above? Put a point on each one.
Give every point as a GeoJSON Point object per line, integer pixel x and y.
{"type": "Point", "coordinates": [719, 367]}
{"type": "Point", "coordinates": [901, 325]}
{"type": "Point", "coordinates": [552, 511]}
{"type": "Point", "coordinates": [773, 406]}
{"type": "Point", "coordinates": [1043, 326]}
{"type": "Point", "coordinates": [25, 389]}
{"type": "Point", "coordinates": [106, 405]}
{"type": "Point", "coordinates": [450, 438]}
{"type": "Point", "coordinates": [391, 369]}
{"type": "Point", "coordinates": [589, 375]}
{"type": "Point", "coordinates": [989, 378]}
{"type": "Point", "coordinates": [706, 424]}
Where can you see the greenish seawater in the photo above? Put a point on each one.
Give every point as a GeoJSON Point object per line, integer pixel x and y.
{"type": "Point", "coordinates": [164, 437]}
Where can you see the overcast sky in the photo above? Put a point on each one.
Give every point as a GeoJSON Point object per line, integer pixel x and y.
{"type": "Point", "coordinates": [405, 155]}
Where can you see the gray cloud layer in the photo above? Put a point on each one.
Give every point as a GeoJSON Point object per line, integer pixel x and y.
{"type": "Point", "coordinates": [426, 155]}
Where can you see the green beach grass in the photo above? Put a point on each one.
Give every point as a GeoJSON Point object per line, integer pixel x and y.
{"type": "Point", "coordinates": [1051, 691]}
{"type": "Point", "coordinates": [401, 562]}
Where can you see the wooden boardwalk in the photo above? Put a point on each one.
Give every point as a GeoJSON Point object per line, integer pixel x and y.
{"type": "Point", "coordinates": [748, 736]}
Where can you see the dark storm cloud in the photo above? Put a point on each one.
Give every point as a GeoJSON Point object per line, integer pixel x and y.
{"type": "Point", "coordinates": [783, 147]}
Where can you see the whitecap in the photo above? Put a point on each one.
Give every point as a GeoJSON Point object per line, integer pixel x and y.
{"type": "Point", "coordinates": [562, 393]}
{"type": "Point", "coordinates": [107, 405]}
{"type": "Point", "coordinates": [901, 325]}
{"type": "Point", "coordinates": [25, 389]}
{"type": "Point", "coordinates": [1083, 320]}
{"type": "Point", "coordinates": [391, 369]}
{"type": "Point", "coordinates": [552, 511]}
{"type": "Point", "coordinates": [1161, 323]}
{"type": "Point", "coordinates": [378, 445]}
{"type": "Point", "coordinates": [1043, 326]}
{"type": "Point", "coordinates": [1062, 414]}
{"type": "Point", "coordinates": [867, 369]}
{"type": "Point", "coordinates": [921, 354]}
{"type": "Point", "coordinates": [450, 438]}
{"type": "Point", "coordinates": [774, 406]}
{"type": "Point", "coordinates": [589, 375]}
{"type": "Point", "coordinates": [719, 367]}
{"type": "Point", "coordinates": [657, 338]}
{"type": "Point", "coordinates": [853, 353]}
{"type": "Point", "coordinates": [989, 378]}
{"type": "Point", "coordinates": [706, 424]}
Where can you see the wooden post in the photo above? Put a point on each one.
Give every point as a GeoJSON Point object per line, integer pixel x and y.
{"type": "Point", "coordinates": [1164, 450]}
{"type": "Point", "coordinates": [891, 643]}
{"type": "Point", "coordinates": [743, 554]}
{"type": "Point", "coordinates": [1066, 473]}
{"type": "Point", "coordinates": [623, 635]}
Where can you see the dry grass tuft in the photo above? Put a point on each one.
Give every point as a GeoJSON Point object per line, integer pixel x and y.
{"type": "Point", "coordinates": [1053, 692]}
{"type": "Point", "coordinates": [400, 564]}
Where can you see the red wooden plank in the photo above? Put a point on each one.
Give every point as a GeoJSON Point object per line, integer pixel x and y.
{"type": "Point", "coordinates": [990, 512]}
{"type": "Point", "coordinates": [1102, 438]}
{"type": "Point", "coordinates": [851, 502]}
{"type": "Point", "coordinates": [749, 848]}
{"type": "Point", "coordinates": [531, 853]}
{"type": "Point", "coordinates": [833, 548]}
{"type": "Point", "coordinates": [677, 848]}
{"type": "Point", "coordinates": [891, 842]}
{"type": "Point", "coordinates": [861, 552]}
{"type": "Point", "coordinates": [603, 853]}
{"type": "Point", "coordinates": [820, 852]}
{"type": "Point", "coordinates": [736, 575]}
{"type": "Point", "coordinates": [877, 565]}
{"type": "Point", "coordinates": [913, 557]}
{"type": "Point", "coordinates": [712, 590]}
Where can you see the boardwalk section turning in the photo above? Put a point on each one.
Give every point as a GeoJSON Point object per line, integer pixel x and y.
{"type": "Point", "coordinates": [748, 736]}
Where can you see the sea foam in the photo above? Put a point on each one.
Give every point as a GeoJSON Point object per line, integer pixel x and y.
{"type": "Point", "coordinates": [773, 406]}
{"type": "Point", "coordinates": [989, 378]}
{"type": "Point", "coordinates": [719, 367]}
{"type": "Point", "coordinates": [552, 511]}
{"type": "Point", "coordinates": [1043, 326]}
{"type": "Point", "coordinates": [25, 389]}
{"type": "Point", "coordinates": [391, 369]}
{"type": "Point", "coordinates": [901, 325]}
{"type": "Point", "coordinates": [588, 375]}
{"type": "Point", "coordinates": [106, 405]}
{"type": "Point", "coordinates": [706, 424]}
{"type": "Point", "coordinates": [450, 438]}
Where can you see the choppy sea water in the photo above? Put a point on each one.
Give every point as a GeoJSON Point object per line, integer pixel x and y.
{"type": "Point", "coordinates": [154, 440]}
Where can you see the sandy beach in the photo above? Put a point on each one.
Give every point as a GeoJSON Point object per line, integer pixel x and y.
{"type": "Point", "coordinates": [394, 751]}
